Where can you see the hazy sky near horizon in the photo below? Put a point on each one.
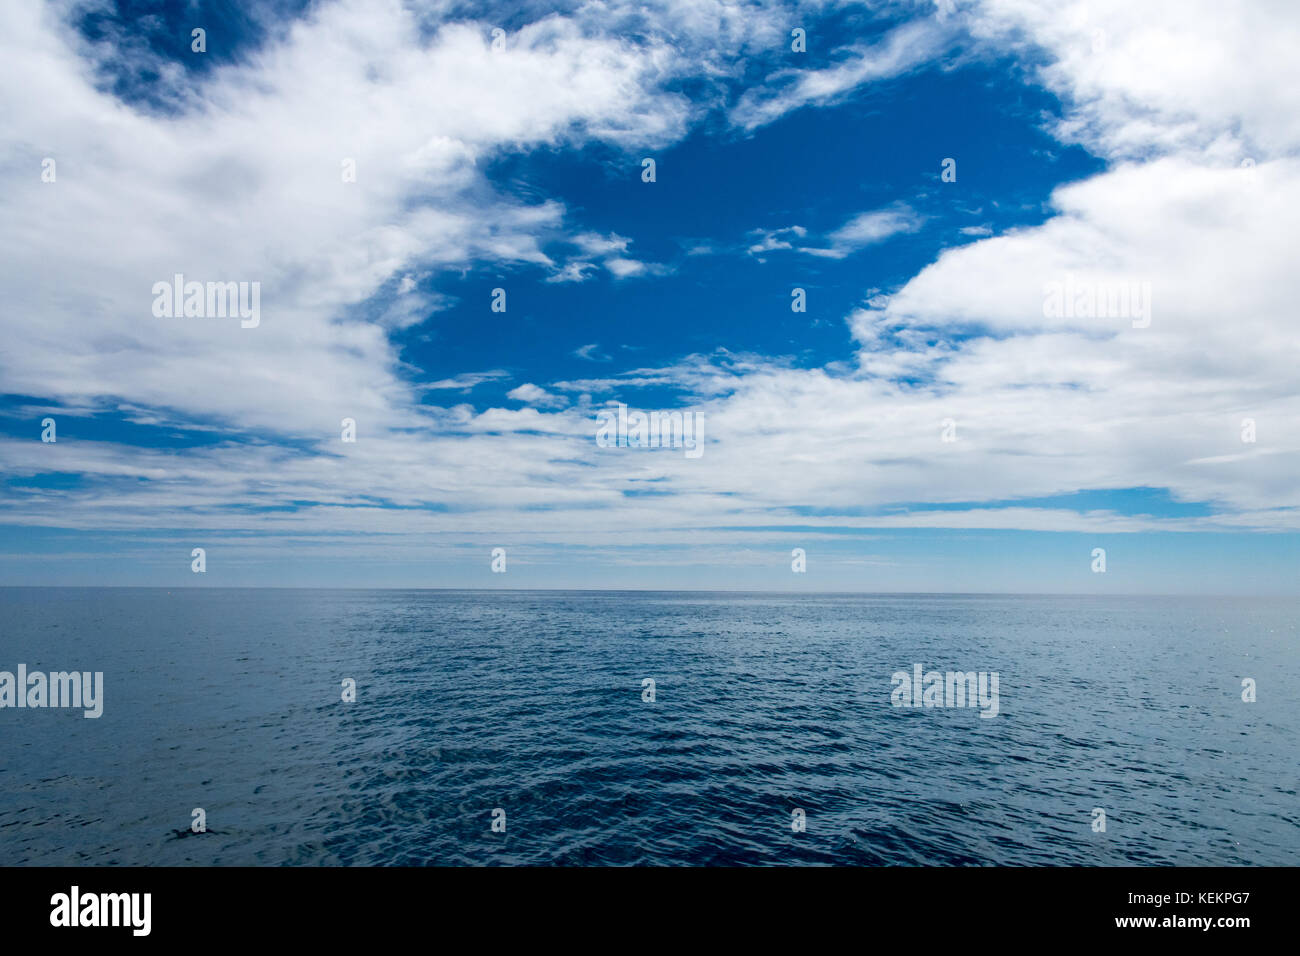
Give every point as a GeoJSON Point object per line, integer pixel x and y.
{"type": "Point", "coordinates": [928, 423]}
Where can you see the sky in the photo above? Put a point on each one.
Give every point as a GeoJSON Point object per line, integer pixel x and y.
{"type": "Point", "coordinates": [931, 178]}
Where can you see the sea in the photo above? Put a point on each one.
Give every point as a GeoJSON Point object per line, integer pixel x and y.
{"type": "Point", "coordinates": [598, 728]}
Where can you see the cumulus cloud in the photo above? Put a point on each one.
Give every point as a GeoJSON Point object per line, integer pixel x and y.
{"type": "Point", "coordinates": [1162, 77]}
{"type": "Point", "coordinates": [536, 396]}
{"type": "Point", "coordinates": [238, 178]}
{"type": "Point", "coordinates": [244, 181]}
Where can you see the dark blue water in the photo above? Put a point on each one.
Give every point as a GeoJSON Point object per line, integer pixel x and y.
{"type": "Point", "coordinates": [531, 702]}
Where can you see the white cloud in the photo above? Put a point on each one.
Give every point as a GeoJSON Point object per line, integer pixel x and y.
{"type": "Point", "coordinates": [611, 250]}
{"type": "Point", "coordinates": [866, 229]}
{"type": "Point", "coordinates": [862, 230]}
{"type": "Point", "coordinates": [574, 271]}
{"type": "Point", "coordinates": [623, 268]}
{"type": "Point", "coordinates": [1163, 75]}
{"type": "Point", "coordinates": [242, 182]}
{"type": "Point", "coordinates": [771, 240]}
{"type": "Point", "coordinates": [906, 47]}
{"type": "Point", "coordinates": [467, 380]}
{"type": "Point", "coordinates": [536, 396]}
{"type": "Point", "coordinates": [594, 244]}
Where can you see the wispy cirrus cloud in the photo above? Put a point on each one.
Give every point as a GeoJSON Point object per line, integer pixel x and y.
{"type": "Point", "coordinates": [864, 229]}
{"type": "Point", "coordinates": [908, 46]}
{"type": "Point", "coordinates": [591, 352]}
{"type": "Point", "coordinates": [467, 381]}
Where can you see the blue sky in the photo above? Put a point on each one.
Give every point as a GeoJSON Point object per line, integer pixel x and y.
{"type": "Point", "coordinates": [1113, 148]}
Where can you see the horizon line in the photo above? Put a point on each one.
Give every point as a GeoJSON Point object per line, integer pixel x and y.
{"type": "Point", "coordinates": [314, 587]}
